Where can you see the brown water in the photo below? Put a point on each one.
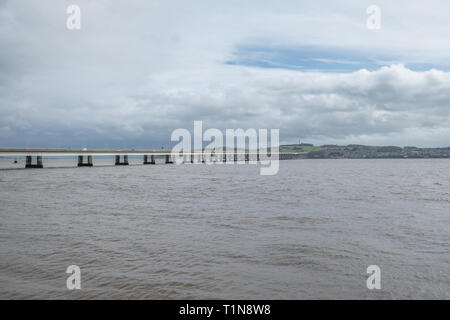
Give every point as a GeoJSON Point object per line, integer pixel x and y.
{"type": "Point", "coordinates": [224, 231]}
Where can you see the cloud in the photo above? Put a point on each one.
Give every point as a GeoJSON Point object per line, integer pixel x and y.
{"type": "Point", "coordinates": [138, 70]}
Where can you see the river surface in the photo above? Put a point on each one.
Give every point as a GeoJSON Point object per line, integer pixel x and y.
{"type": "Point", "coordinates": [198, 231]}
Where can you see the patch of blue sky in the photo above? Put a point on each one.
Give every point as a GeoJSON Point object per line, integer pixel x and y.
{"type": "Point", "coordinates": [323, 59]}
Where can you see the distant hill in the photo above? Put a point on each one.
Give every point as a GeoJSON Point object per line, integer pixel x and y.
{"type": "Point", "coordinates": [354, 151]}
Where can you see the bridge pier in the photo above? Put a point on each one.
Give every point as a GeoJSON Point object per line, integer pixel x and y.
{"type": "Point", "coordinates": [125, 161]}
{"type": "Point", "coordinates": [152, 161]}
{"type": "Point", "coordinates": [28, 162]}
{"type": "Point", "coordinates": [168, 159]}
{"type": "Point", "coordinates": [202, 156]}
{"type": "Point", "coordinates": [82, 164]}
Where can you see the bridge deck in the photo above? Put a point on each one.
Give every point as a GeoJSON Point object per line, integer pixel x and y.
{"type": "Point", "coordinates": [112, 152]}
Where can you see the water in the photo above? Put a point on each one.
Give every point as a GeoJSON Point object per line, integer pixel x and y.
{"type": "Point", "coordinates": [223, 231]}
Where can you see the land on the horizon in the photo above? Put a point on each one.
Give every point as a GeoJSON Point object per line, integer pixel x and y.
{"type": "Point", "coordinates": [356, 151]}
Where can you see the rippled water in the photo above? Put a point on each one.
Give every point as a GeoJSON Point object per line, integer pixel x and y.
{"type": "Point", "coordinates": [224, 231]}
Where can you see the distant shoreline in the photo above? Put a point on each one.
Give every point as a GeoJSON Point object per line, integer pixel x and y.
{"type": "Point", "coordinates": [354, 151]}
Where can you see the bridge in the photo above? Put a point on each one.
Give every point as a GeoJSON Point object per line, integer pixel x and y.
{"type": "Point", "coordinates": [121, 155]}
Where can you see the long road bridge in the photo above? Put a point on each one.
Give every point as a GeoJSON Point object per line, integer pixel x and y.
{"type": "Point", "coordinates": [121, 156]}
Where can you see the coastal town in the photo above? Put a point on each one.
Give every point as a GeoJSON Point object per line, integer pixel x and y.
{"type": "Point", "coordinates": [354, 151]}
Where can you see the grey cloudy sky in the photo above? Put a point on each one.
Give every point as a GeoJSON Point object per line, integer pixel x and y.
{"type": "Point", "coordinates": [137, 70]}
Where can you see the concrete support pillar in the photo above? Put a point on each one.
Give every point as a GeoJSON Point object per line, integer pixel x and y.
{"type": "Point", "coordinates": [124, 163]}
{"type": "Point", "coordinates": [39, 162]}
{"type": "Point", "coordinates": [152, 159]}
{"type": "Point", "coordinates": [81, 161]}
{"type": "Point", "coordinates": [29, 164]}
